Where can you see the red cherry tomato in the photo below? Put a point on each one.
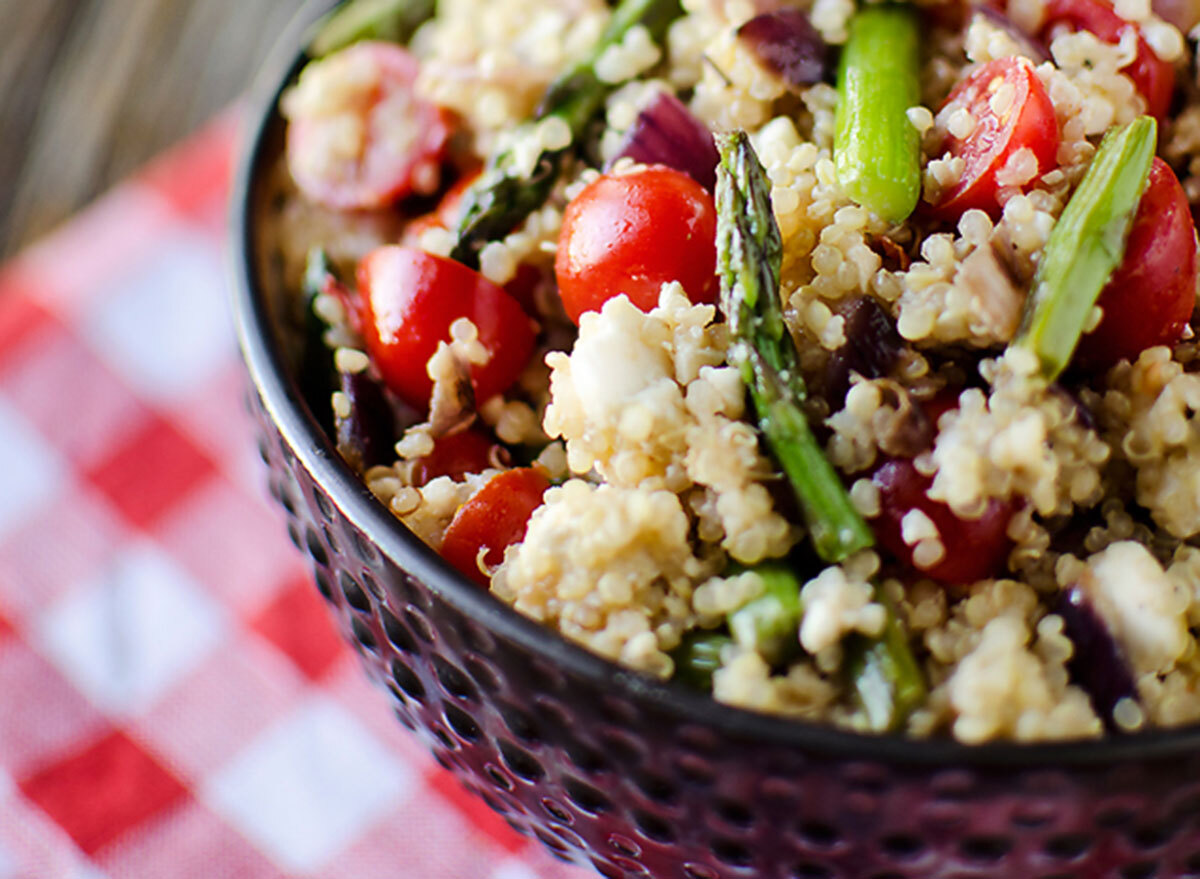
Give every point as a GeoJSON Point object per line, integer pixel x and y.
{"type": "Point", "coordinates": [455, 455]}
{"type": "Point", "coordinates": [1027, 123]}
{"type": "Point", "coordinates": [494, 519]}
{"type": "Point", "coordinates": [1154, 78]}
{"type": "Point", "coordinates": [445, 215]}
{"type": "Point", "coordinates": [939, 405]}
{"type": "Point", "coordinates": [1150, 297]}
{"type": "Point", "coordinates": [631, 233]}
{"type": "Point", "coordinates": [524, 286]}
{"type": "Point", "coordinates": [527, 279]}
{"type": "Point", "coordinates": [409, 300]}
{"type": "Point", "coordinates": [359, 137]}
{"type": "Point", "coordinates": [975, 549]}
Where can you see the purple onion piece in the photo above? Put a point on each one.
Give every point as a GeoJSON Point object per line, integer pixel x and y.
{"type": "Point", "coordinates": [786, 43]}
{"type": "Point", "coordinates": [1097, 665]}
{"type": "Point", "coordinates": [367, 436]}
{"type": "Point", "coordinates": [666, 133]}
{"type": "Point", "coordinates": [1184, 14]}
{"type": "Point", "coordinates": [872, 348]}
{"type": "Point", "coordinates": [1031, 46]}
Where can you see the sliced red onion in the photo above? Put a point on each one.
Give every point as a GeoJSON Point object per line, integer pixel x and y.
{"type": "Point", "coordinates": [666, 133]}
{"type": "Point", "coordinates": [1097, 665]}
{"type": "Point", "coordinates": [367, 435]}
{"type": "Point", "coordinates": [1184, 14]}
{"type": "Point", "coordinates": [759, 6]}
{"type": "Point", "coordinates": [1031, 47]}
{"type": "Point", "coordinates": [787, 44]}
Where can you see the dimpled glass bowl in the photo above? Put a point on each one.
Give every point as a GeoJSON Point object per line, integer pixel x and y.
{"type": "Point", "coordinates": [639, 778]}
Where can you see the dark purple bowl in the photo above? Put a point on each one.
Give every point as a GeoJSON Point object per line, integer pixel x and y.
{"type": "Point", "coordinates": [641, 778]}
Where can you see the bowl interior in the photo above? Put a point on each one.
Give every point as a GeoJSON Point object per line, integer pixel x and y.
{"type": "Point", "coordinates": [259, 294]}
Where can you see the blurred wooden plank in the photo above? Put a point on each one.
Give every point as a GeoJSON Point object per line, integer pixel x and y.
{"type": "Point", "coordinates": [31, 38]}
{"type": "Point", "coordinates": [114, 82]}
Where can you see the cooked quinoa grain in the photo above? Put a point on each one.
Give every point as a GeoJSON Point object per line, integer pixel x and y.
{"type": "Point", "coordinates": [571, 415]}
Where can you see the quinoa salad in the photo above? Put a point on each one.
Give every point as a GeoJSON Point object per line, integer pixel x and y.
{"type": "Point", "coordinates": [833, 358]}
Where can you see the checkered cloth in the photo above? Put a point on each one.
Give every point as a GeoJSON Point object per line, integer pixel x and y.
{"type": "Point", "coordinates": [173, 700]}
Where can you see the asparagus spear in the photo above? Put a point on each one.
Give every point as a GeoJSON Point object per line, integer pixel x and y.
{"type": "Point", "coordinates": [883, 670]}
{"type": "Point", "coordinates": [391, 20]}
{"type": "Point", "coordinates": [769, 623]}
{"type": "Point", "coordinates": [1087, 244]}
{"type": "Point", "coordinates": [317, 375]}
{"type": "Point", "coordinates": [884, 673]}
{"type": "Point", "coordinates": [876, 149]}
{"type": "Point", "coordinates": [504, 196]}
{"type": "Point", "coordinates": [698, 656]}
{"type": "Point", "coordinates": [748, 259]}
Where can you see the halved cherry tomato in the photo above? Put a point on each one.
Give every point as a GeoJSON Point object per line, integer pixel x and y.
{"type": "Point", "coordinates": [1150, 297]}
{"type": "Point", "coordinates": [524, 286]}
{"type": "Point", "coordinates": [409, 300]}
{"type": "Point", "coordinates": [494, 519]}
{"type": "Point", "coordinates": [1026, 122]}
{"type": "Point", "coordinates": [975, 549]}
{"type": "Point", "coordinates": [524, 283]}
{"type": "Point", "coordinates": [939, 405]}
{"type": "Point", "coordinates": [445, 215]}
{"type": "Point", "coordinates": [359, 137]}
{"type": "Point", "coordinates": [1154, 78]}
{"type": "Point", "coordinates": [632, 233]}
{"type": "Point", "coordinates": [455, 455]}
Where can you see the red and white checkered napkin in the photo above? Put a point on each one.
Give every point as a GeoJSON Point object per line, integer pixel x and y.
{"type": "Point", "coordinates": [173, 700]}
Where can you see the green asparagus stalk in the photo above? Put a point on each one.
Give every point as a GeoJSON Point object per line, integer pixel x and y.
{"type": "Point", "coordinates": [318, 377]}
{"type": "Point", "coordinates": [503, 196]}
{"type": "Point", "coordinates": [500, 201]}
{"type": "Point", "coordinates": [884, 674]}
{"type": "Point", "coordinates": [698, 656]}
{"type": "Point", "coordinates": [748, 258]}
{"type": "Point", "coordinates": [392, 20]}
{"type": "Point", "coordinates": [1086, 245]}
{"type": "Point", "coordinates": [316, 271]}
{"type": "Point", "coordinates": [876, 149]}
{"type": "Point", "coordinates": [770, 622]}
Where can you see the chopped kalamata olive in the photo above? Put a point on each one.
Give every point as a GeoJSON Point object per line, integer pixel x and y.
{"type": "Point", "coordinates": [666, 133]}
{"type": "Point", "coordinates": [786, 43]}
{"type": "Point", "coordinates": [366, 434]}
{"type": "Point", "coordinates": [872, 348]}
{"type": "Point", "coordinates": [1031, 48]}
{"type": "Point", "coordinates": [1097, 665]}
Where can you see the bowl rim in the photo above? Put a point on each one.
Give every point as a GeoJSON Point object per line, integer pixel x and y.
{"type": "Point", "coordinates": [284, 404]}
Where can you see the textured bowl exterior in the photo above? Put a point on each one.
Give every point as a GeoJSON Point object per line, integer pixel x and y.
{"type": "Point", "coordinates": [638, 778]}
{"type": "Point", "coordinates": [604, 774]}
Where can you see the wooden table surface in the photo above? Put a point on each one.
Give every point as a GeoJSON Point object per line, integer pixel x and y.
{"type": "Point", "coordinates": [90, 89]}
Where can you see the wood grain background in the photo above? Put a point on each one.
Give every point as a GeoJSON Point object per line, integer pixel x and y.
{"type": "Point", "coordinates": [90, 89]}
